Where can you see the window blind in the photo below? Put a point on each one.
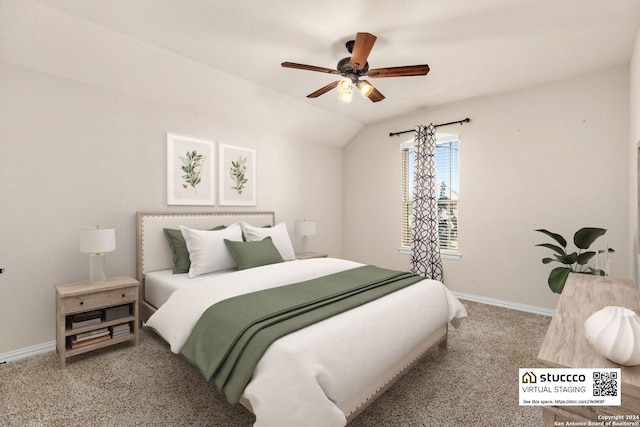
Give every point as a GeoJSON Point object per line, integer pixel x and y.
{"type": "Point", "coordinates": [407, 194]}
{"type": "Point", "coordinates": [447, 178]}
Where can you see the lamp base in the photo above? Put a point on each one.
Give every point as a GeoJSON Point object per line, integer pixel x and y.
{"type": "Point", "coordinates": [305, 245]}
{"type": "Point", "coordinates": [96, 269]}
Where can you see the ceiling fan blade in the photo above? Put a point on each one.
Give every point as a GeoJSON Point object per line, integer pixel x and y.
{"type": "Point", "coordinates": [361, 49]}
{"type": "Point", "coordinates": [309, 68]}
{"type": "Point", "coordinates": [408, 70]}
{"type": "Point", "coordinates": [324, 89]}
{"type": "Point", "coordinates": [375, 95]}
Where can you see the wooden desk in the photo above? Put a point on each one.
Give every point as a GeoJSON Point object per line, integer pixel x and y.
{"type": "Point", "coordinates": [565, 345]}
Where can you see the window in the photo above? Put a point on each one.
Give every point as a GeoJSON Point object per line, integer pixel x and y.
{"type": "Point", "coordinates": [447, 178]}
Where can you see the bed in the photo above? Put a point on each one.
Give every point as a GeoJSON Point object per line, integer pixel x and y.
{"type": "Point", "coordinates": [324, 374]}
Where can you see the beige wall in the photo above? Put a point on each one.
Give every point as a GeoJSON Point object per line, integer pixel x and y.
{"type": "Point", "coordinates": [84, 113]}
{"type": "Point", "coordinates": [74, 155]}
{"type": "Point", "coordinates": [634, 149]}
{"type": "Point", "coordinates": [553, 156]}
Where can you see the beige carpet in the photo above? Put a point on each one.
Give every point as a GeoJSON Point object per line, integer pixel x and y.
{"type": "Point", "coordinates": [473, 383]}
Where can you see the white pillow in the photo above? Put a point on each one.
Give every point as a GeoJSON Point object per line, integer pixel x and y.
{"type": "Point", "coordinates": [207, 251]}
{"type": "Point", "coordinates": [279, 235]}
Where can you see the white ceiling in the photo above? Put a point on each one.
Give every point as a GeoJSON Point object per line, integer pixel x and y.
{"type": "Point", "coordinates": [473, 47]}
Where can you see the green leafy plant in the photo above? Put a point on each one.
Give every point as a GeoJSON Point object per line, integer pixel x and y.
{"type": "Point", "coordinates": [574, 262]}
{"type": "Point", "coordinates": [192, 167]}
{"type": "Point", "coordinates": [237, 173]}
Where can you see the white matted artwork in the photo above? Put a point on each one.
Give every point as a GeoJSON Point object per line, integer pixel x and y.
{"type": "Point", "coordinates": [190, 171]}
{"type": "Point", "coordinates": [237, 169]}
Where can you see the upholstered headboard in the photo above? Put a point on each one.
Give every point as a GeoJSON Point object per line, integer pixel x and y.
{"type": "Point", "coordinates": [152, 250]}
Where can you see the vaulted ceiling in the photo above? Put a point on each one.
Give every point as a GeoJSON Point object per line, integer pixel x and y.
{"type": "Point", "coordinates": [472, 47]}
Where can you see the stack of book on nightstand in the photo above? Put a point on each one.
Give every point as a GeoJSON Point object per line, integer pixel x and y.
{"type": "Point", "coordinates": [90, 337]}
{"type": "Point", "coordinates": [120, 330]}
{"type": "Point", "coordinates": [86, 319]}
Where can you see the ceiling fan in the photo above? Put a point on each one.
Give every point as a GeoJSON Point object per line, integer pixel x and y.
{"type": "Point", "coordinates": [355, 67]}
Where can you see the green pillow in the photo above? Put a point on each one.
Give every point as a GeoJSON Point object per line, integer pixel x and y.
{"type": "Point", "coordinates": [181, 262]}
{"type": "Point", "coordinates": [254, 254]}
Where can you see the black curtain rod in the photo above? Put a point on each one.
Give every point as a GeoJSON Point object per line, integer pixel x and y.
{"type": "Point", "coordinates": [467, 120]}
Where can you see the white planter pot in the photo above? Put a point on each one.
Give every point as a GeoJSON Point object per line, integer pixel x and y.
{"type": "Point", "coordinates": [615, 333]}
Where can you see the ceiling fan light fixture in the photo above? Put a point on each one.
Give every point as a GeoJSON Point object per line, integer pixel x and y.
{"type": "Point", "coordinates": [344, 96]}
{"type": "Point", "coordinates": [344, 85]}
{"type": "Point", "coordinates": [344, 90]}
{"type": "Point", "coordinates": [365, 88]}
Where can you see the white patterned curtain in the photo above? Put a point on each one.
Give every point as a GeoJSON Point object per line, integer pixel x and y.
{"type": "Point", "coordinates": [425, 248]}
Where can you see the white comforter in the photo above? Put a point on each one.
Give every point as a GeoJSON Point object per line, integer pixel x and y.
{"type": "Point", "coordinates": [305, 377]}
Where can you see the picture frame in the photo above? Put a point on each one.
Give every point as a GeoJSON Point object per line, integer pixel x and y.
{"type": "Point", "coordinates": [237, 175]}
{"type": "Point", "coordinates": [190, 171]}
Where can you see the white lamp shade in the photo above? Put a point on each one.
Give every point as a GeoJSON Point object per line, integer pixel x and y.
{"type": "Point", "coordinates": [304, 228]}
{"type": "Point", "coordinates": [97, 240]}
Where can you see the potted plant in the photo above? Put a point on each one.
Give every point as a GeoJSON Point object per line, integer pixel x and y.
{"type": "Point", "coordinates": [576, 261]}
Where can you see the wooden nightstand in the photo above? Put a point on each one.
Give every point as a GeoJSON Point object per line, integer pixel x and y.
{"type": "Point", "coordinates": [309, 255]}
{"type": "Point", "coordinates": [89, 317]}
{"type": "Point", "coordinates": [565, 345]}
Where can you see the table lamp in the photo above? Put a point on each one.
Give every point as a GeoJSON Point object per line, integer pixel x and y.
{"type": "Point", "coordinates": [305, 228]}
{"type": "Point", "coordinates": [96, 241]}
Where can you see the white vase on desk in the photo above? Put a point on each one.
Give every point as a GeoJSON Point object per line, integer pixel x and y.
{"type": "Point", "coordinates": [615, 333]}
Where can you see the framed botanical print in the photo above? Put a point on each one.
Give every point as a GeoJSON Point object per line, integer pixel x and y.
{"type": "Point", "coordinates": [237, 175]}
{"type": "Point", "coordinates": [190, 171]}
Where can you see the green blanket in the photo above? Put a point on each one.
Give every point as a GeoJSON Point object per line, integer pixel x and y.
{"type": "Point", "coordinates": [231, 336]}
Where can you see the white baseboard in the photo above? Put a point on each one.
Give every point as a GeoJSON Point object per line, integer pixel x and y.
{"type": "Point", "coordinates": [51, 346]}
{"type": "Point", "coordinates": [506, 304]}
{"type": "Point", "coordinates": [27, 352]}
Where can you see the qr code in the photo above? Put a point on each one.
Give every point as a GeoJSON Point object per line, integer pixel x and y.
{"type": "Point", "coordinates": [605, 383]}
